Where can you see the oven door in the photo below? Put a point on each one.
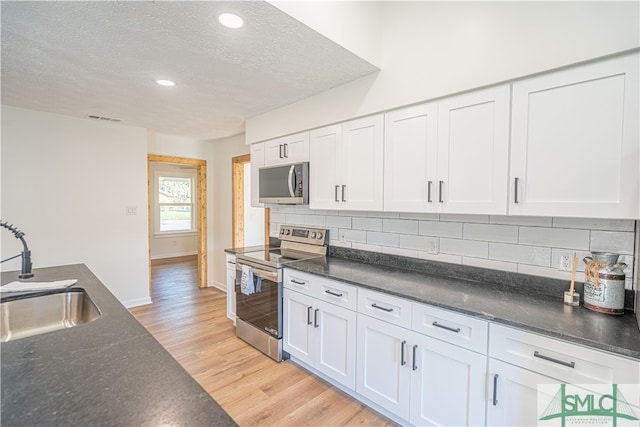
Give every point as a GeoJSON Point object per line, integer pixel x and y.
{"type": "Point", "coordinates": [262, 309]}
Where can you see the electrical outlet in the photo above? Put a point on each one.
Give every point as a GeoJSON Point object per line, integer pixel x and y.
{"type": "Point", "coordinates": [433, 245]}
{"type": "Point", "coordinates": [566, 260]}
{"type": "Point", "coordinates": [342, 236]}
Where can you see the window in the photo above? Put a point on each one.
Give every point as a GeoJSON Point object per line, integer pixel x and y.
{"type": "Point", "coordinates": [176, 208]}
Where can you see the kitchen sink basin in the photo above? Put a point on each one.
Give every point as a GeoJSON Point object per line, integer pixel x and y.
{"type": "Point", "coordinates": [28, 315]}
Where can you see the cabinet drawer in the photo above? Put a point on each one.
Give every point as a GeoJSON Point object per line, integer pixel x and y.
{"type": "Point", "coordinates": [336, 293]}
{"type": "Point", "coordinates": [231, 262]}
{"type": "Point", "coordinates": [385, 307]}
{"type": "Point", "coordinates": [451, 327]}
{"type": "Point", "coordinates": [569, 363]}
{"type": "Point", "coordinates": [298, 281]}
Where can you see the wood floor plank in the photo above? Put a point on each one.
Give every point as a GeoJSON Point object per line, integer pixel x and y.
{"type": "Point", "coordinates": [191, 324]}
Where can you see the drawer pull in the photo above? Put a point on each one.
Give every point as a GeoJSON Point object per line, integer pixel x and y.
{"type": "Point", "coordinates": [402, 345]}
{"type": "Point", "coordinates": [388, 310]}
{"type": "Point", "coordinates": [328, 291]}
{"type": "Point", "coordinates": [415, 364]}
{"type": "Point", "coordinates": [309, 315]}
{"type": "Point", "coordinates": [495, 389]}
{"type": "Point", "coordinates": [551, 359]}
{"type": "Point", "coordinates": [315, 317]}
{"type": "Point", "coordinates": [448, 328]}
{"type": "Point", "coordinates": [298, 282]}
{"type": "Point", "coordinates": [231, 262]}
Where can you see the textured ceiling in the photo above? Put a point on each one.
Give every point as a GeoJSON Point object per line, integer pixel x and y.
{"type": "Point", "coordinates": [102, 58]}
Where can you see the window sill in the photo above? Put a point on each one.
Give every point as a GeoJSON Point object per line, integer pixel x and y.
{"type": "Point", "coordinates": [173, 234]}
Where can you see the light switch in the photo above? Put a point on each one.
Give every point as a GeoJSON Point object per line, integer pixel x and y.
{"type": "Point", "coordinates": [132, 210]}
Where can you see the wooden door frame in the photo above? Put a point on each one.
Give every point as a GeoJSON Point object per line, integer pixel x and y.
{"type": "Point", "coordinates": [201, 188]}
{"type": "Point", "coordinates": [237, 203]}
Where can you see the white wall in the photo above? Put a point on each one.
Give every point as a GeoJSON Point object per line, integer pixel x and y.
{"type": "Point", "coordinates": [432, 49]}
{"type": "Point", "coordinates": [174, 244]}
{"type": "Point", "coordinates": [66, 182]}
{"type": "Point", "coordinates": [355, 25]}
{"type": "Point", "coordinates": [221, 230]}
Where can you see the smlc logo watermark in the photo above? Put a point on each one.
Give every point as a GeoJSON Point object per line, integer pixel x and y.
{"type": "Point", "coordinates": [574, 405]}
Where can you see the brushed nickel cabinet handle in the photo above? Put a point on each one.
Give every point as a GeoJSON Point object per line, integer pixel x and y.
{"type": "Point", "coordinates": [309, 315]}
{"type": "Point", "coordinates": [330, 292]}
{"type": "Point", "coordinates": [554, 360]}
{"type": "Point", "coordinates": [336, 193]}
{"type": "Point", "coordinates": [343, 192]}
{"type": "Point", "coordinates": [286, 151]}
{"type": "Point", "coordinates": [516, 182]}
{"type": "Point", "coordinates": [495, 389]}
{"type": "Point", "coordinates": [402, 361]}
{"type": "Point", "coordinates": [440, 184]}
{"type": "Point", "coordinates": [448, 328]}
{"type": "Point", "coordinates": [429, 191]}
{"type": "Point", "coordinates": [415, 351]}
{"type": "Point", "coordinates": [388, 310]}
{"type": "Point", "coordinates": [315, 317]}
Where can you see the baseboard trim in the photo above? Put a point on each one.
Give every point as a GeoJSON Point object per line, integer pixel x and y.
{"type": "Point", "coordinates": [218, 285]}
{"type": "Point", "coordinates": [137, 302]}
{"type": "Point", "coordinates": [176, 255]}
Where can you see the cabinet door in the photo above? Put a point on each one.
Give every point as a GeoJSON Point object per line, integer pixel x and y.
{"type": "Point", "coordinates": [324, 164]}
{"type": "Point", "coordinates": [362, 151]}
{"type": "Point", "coordinates": [298, 325]}
{"type": "Point", "coordinates": [287, 149]}
{"type": "Point", "coordinates": [231, 290]}
{"type": "Point", "coordinates": [257, 161]}
{"type": "Point", "coordinates": [335, 339]}
{"type": "Point", "coordinates": [447, 384]}
{"type": "Point", "coordinates": [512, 395]}
{"type": "Point", "coordinates": [473, 152]}
{"type": "Point", "coordinates": [410, 150]}
{"type": "Point", "coordinates": [383, 368]}
{"type": "Point", "coordinates": [574, 142]}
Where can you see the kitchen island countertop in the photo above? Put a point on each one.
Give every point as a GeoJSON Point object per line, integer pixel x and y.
{"type": "Point", "coordinates": [511, 306]}
{"type": "Point", "coordinates": [109, 372]}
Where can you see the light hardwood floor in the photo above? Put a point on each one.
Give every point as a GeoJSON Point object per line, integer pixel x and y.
{"type": "Point", "coordinates": [191, 324]}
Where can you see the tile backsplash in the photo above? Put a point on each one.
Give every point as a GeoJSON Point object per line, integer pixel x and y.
{"type": "Point", "coordinates": [529, 245]}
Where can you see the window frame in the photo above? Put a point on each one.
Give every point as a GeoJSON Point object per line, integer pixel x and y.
{"type": "Point", "coordinates": [192, 175]}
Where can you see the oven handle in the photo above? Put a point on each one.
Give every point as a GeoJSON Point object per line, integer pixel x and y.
{"type": "Point", "coordinates": [271, 275]}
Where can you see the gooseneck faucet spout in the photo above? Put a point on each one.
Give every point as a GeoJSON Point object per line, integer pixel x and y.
{"type": "Point", "coordinates": [25, 254]}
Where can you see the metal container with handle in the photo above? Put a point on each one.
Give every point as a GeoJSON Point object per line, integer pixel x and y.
{"type": "Point", "coordinates": [604, 283]}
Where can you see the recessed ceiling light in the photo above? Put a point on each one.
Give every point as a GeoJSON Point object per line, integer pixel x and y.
{"type": "Point", "coordinates": [165, 83]}
{"type": "Point", "coordinates": [231, 20]}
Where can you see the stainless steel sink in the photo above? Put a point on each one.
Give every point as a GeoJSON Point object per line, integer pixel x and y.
{"type": "Point", "coordinates": [29, 315]}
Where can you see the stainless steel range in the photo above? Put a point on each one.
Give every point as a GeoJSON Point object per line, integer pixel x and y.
{"type": "Point", "coordinates": [259, 286]}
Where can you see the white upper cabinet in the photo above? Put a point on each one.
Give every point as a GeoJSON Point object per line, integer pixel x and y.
{"type": "Point", "coordinates": [449, 156]}
{"type": "Point", "coordinates": [410, 150]}
{"type": "Point", "coordinates": [574, 142]}
{"type": "Point", "coordinates": [473, 152]}
{"type": "Point", "coordinates": [257, 161]}
{"type": "Point", "coordinates": [287, 149]}
{"type": "Point", "coordinates": [345, 169]}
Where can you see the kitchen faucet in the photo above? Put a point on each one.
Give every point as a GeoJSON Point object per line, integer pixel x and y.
{"type": "Point", "coordinates": [26, 254]}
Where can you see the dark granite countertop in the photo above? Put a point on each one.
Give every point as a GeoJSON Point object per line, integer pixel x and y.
{"type": "Point", "coordinates": [523, 307]}
{"type": "Point", "coordinates": [110, 372]}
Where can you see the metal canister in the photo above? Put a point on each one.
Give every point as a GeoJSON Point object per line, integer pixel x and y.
{"type": "Point", "coordinates": [604, 283]}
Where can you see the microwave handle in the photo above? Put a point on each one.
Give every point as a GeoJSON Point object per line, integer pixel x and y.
{"type": "Point", "coordinates": [291, 178]}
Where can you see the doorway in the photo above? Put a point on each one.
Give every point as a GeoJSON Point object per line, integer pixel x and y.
{"type": "Point", "coordinates": [250, 225]}
{"type": "Point", "coordinates": [200, 208]}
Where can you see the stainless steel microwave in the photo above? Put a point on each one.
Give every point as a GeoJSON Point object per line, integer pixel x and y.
{"type": "Point", "coordinates": [285, 184]}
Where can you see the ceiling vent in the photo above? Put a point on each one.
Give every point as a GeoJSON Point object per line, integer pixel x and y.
{"type": "Point", "coordinates": [106, 119]}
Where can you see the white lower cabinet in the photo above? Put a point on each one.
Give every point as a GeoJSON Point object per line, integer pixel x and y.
{"type": "Point", "coordinates": [513, 395]}
{"type": "Point", "coordinates": [447, 384]}
{"type": "Point", "coordinates": [321, 335]}
{"type": "Point", "coordinates": [231, 291]}
{"type": "Point", "coordinates": [383, 373]}
{"type": "Point", "coordinates": [418, 378]}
